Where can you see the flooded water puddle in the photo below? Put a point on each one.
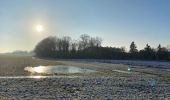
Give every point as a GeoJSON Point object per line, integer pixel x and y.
{"type": "Point", "coordinates": [59, 69]}
{"type": "Point", "coordinates": [121, 71]}
{"type": "Point", "coordinates": [35, 77]}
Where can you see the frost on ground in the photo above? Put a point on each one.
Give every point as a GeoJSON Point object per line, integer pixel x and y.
{"type": "Point", "coordinates": [113, 80]}
{"type": "Point", "coordinates": [101, 88]}
{"type": "Point", "coordinates": [155, 64]}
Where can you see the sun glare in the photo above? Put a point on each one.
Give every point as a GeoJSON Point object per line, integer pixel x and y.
{"type": "Point", "coordinates": [38, 69]}
{"type": "Point", "coordinates": [39, 28]}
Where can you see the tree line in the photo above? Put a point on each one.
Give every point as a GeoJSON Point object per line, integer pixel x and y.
{"type": "Point", "coordinates": [87, 47]}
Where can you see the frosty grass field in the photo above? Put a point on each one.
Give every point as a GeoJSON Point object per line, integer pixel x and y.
{"type": "Point", "coordinates": [113, 79]}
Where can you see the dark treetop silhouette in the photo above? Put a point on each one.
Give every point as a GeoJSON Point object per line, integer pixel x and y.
{"type": "Point", "coordinates": [90, 48]}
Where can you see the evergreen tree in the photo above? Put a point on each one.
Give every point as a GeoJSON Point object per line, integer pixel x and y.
{"type": "Point", "coordinates": [159, 52]}
{"type": "Point", "coordinates": [162, 53]}
{"type": "Point", "coordinates": [133, 48]}
{"type": "Point", "coordinates": [149, 53]}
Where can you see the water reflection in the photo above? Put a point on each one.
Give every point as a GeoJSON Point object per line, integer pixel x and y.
{"type": "Point", "coordinates": [61, 69]}
{"type": "Point", "coordinates": [36, 77]}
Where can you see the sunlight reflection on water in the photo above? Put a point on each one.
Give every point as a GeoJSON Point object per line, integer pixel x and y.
{"type": "Point", "coordinates": [60, 69]}
{"type": "Point", "coordinates": [35, 77]}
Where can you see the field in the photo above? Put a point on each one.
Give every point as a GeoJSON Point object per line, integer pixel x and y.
{"type": "Point", "coordinates": [14, 65]}
{"type": "Point", "coordinates": [113, 80]}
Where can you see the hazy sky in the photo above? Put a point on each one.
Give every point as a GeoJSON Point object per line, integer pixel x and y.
{"type": "Point", "coordinates": [118, 22]}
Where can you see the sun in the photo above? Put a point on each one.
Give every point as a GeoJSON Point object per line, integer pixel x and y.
{"type": "Point", "coordinates": [39, 28]}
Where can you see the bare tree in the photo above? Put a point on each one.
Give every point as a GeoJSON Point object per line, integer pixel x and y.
{"type": "Point", "coordinates": [74, 46]}
{"type": "Point", "coordinates": [66, 43]}
{"type": "Point", "coordinates": [83, 43]}
{"type": "Point", "coordinates": [95, 42]}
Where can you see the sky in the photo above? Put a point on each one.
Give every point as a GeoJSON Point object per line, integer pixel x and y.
{"type": "Point", "coordinates": [117, 22]}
